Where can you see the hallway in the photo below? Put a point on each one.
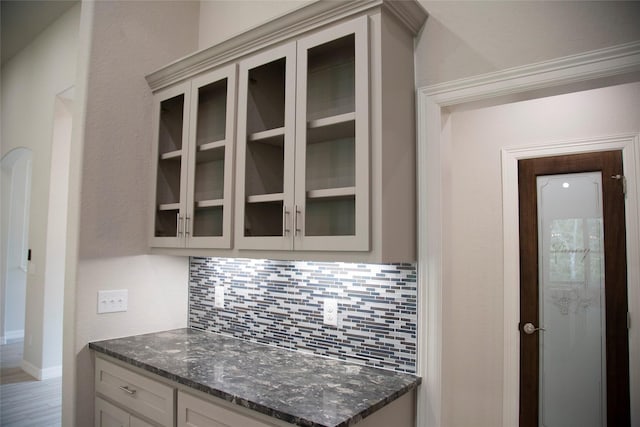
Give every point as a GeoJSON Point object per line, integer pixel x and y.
{"type": "Point", "coordinates": [24, 401]}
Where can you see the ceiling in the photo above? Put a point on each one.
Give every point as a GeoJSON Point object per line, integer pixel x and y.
{"type": "Point", "coordinates": [21, 21]}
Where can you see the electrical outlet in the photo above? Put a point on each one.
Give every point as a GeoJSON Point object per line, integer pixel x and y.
{"type": "Point", "coordinates": [219, 297]}
{"type": "Point", "coordinates": [331, 312]}
{"type": "Point", "coordinates": [113, 301]}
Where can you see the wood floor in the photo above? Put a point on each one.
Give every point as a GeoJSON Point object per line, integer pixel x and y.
{"type": "Point", "coordinates": [25, 401]}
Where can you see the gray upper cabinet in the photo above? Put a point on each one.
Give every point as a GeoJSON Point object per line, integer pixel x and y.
{"type": "Point", "coordinates": [323, 133]}
{"type": "Point", "coordinates": [303, 145]}
{"type": "Point", "coordinates": [194, 159]}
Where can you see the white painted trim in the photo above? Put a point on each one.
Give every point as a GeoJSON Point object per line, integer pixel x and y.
{"type": "Point", "coordinates": [41, 374]}
{"type": "Point", "coordinates": [429, 264]}
{"type": "Point", "coordinates": [608, 62]}
{"type": "Point", "coordinates": [433, 140]}
{"type": "Point", "coordinates": [630, 146]}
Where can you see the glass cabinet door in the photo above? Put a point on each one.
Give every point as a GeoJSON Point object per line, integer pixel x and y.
{"type": "Point", "coordinates": [266, 115]}
{"type": "Point", "coordinates": [332, 139]}
{"type": "Point", "coordinates": [211, 144]}
{"type": "Point", "coordinates": [171, 119]}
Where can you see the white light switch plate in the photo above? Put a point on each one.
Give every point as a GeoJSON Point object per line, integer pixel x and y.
{"type": "Point", "coordinates": [331, 312]}
{"type": "Point", "coordinates": [113, 301]}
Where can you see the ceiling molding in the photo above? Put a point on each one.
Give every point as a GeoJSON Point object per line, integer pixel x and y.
{"type": "Point", "coordinates": [285, 27]}
{"type": "Point", "coordinates": [607, 62]}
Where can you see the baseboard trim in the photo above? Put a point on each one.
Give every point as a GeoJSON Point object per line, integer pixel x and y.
{"type": "Point", "coordinates": [41, 374]}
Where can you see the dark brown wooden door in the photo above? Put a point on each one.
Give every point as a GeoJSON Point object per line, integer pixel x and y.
{"type": "Point", "coordinates": [615, 280]}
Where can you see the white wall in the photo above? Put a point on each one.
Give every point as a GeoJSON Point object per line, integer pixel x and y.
{"type": "Point", "coordinates": [30, 82]}
{"type": "Point", "coordinates": [129, 39]}
{"type": "Point", "coordinates": [466, 38]}
{"type": "Point", "coordinates": [472, 368]}
{"type": "Point", "coordinates": [221, 19]}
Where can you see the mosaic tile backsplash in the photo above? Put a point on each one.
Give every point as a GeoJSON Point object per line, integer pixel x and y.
{"type": "Point", "coordinates": [281, 303]}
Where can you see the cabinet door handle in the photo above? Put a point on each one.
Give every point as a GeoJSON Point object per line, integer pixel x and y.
{"type": "Point", "coordinates": [297, 220]}
{"type": "Point", "coordinates": [187, 225]}
{"type": "Point", "coordinates": [285, 220]}
{"type": "Point", "coordinates": [127, 390]}
{"type": "Point", "coordinates": [179, 224]}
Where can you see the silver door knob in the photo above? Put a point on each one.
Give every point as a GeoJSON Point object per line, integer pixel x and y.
{"type": "Point", "coordinates": [528, 328]}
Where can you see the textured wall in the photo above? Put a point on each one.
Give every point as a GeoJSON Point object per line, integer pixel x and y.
{"type": "Point", "coordinates": [281, 303]}
{"type": "Point", "coordinates": [129, 39]}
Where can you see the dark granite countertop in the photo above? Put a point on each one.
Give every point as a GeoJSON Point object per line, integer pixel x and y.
{"type": "Point", "coordinates": [295, 387]}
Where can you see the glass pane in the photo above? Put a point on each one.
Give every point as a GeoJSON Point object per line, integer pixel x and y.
{"type": "Point", "coordinates": [212, 112]}
{"type": "Point", "coordinates": [207, 221]}
{"type": "Point", "coordinates": [331, 78]}
{"type": "Point", "coordinates": [331, 217]}
{"type": "Point", "coordinates": [170, 132]}
{"type": "Point", "coordinates": [264, 167]}
{"type": "Point", "coordinates": [166, 223]}
{"type": "Point", "coordinates": [168, 181]}
{"type": "Point", "coordinates": [572, 351]}
{"type": "Point", "coordinates": [263, 219]}
{"type": "Point", "coordinates": [209, 176]}
{"type": "Point", "coordinates": [169, 166]}
{"type": "Point", "coordinates": [265, 97]}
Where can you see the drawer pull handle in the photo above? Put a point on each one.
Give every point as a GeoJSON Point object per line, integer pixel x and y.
{"type": "Point", "coordinates": [127, 389]}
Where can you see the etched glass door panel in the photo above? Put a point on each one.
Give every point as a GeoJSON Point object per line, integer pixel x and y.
{"type": "Point", "coordinates": [571, 300]}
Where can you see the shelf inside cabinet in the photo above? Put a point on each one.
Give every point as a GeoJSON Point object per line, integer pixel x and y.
{"type": "Point", "coordinates": [264, 198]}
{"type": "Point", "coordinates": [209, 203]}
{"type": "Point", "coordinates": [330, 128]}
{"type": "Point", "coordinates": [176, 154]}
{"type": "Point", "coordinates": [331, 193]}
{"type": "Point", "coordinates": [212, 145]}
{"type": "Point", "coordinates": [169, 207]}
{"type": "Point", "coordinates": [271, 136]}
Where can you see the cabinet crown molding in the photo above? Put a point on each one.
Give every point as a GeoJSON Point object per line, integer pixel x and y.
{"type": "Point", "coordinates": [309, 17]}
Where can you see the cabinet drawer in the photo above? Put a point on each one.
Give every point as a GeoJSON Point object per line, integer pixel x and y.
{"type": "Point", "coordinates": [108, 415]}
{"type": "Point", "coordinates": [195, 412]}
{"type": "Point", "coordinates": [135, 392]}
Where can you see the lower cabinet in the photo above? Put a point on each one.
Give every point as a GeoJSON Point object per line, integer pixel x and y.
{"type": "Point", "coordinates": [108, 415]}
{"type": "Point", "coordinates": [125, 398]}
{"type": "Point", "coordinates": [196, 412]}
{"type": "Point", "coordinates": [135, 393]}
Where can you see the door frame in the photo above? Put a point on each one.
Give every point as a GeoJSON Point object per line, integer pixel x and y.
{"type": "Point", "coordinates": [588, 70]}
{"type": "Point", "coordinates": [629, 144]}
